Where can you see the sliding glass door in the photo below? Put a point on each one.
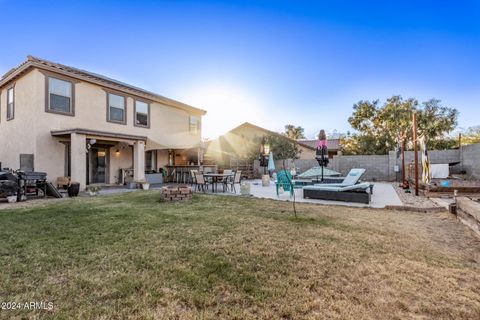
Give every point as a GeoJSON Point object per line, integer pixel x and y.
{"type": "Point", "coordinates": [98, 165]}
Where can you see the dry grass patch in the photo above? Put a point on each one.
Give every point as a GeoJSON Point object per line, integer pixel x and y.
{"type": "Point", "coordinates": [132, 256]}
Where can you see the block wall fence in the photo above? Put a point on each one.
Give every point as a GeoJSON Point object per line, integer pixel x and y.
{"type": "Point", "coordinates": [382, 167]}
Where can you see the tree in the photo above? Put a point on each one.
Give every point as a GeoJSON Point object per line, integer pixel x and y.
{"type": "Point", "coordinates": [380, 128]}
{"type": "Point", "coordinates": [471, 135]}
{"type": "Point", "coordinates": [281, 146]}
{"type": "Point", "coordinates": [294, 132]}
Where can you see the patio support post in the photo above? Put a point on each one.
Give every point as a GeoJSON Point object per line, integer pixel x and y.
{"type": "Point", "coordinates": [79, 159]}
{"type": "Point", "coordinates": [139, 160]}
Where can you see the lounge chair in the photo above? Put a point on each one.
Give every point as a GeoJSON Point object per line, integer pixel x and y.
{"type": "Point", "coordinates": [352, 193]}
{"type": "Point", "coordinates": [347, 190]}
{"type": "Point", "coordinates": [353, 177]}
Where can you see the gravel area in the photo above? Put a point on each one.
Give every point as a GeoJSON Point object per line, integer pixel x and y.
{"type": "Point", "coordinates": [409, 199]}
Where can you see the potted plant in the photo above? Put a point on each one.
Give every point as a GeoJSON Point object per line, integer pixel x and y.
{"type": "Point", "coordinates": [145, 185]}
{"type": "Point", "coordinates": [73, 189]}
{"type": "Point", "coordinates": [93, 190]}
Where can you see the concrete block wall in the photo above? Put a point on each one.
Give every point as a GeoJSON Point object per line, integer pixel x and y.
{"type": "Point", "coordinates": [302, 165]}
{"type": "Point", "coordinates": [382, 167]}
{"type": "Point", "coordinates": [376, 165]}
{"type": "Point", "coordinates": [436, 157]}
{"type": "Point", "coordinates": [471, 160]}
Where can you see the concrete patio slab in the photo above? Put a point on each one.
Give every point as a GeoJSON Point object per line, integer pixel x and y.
{"type": "Point", "coordinates": [383, 194]}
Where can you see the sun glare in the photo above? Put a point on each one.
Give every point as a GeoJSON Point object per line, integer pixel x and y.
{"type": "Point", "coordinates": [227, 107]}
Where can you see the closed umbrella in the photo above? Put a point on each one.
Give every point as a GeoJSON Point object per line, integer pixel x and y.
{"type": "Point", "coordinates": [426, 174]}
{"type": "Point", "coordinates": [271, 163]}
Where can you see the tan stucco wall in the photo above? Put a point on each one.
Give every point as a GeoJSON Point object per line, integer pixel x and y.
{"type": "Point", "coordinates": [162, 158]}
{"type": "Point", "coordinates": [124, 160]}
{"type": "Point", "coordinates": [18, 135]}
{"type": "Point", "coordinates": [29, 132]}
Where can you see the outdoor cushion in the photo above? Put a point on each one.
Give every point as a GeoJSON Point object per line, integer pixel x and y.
{"type": "Point", "coordinates": [339, 193]}
{"type": "Point", "coordinates": [316, 172]}
{"type": "Point", "coordinates": [351, 179]}
{"type": "Point", "coordinates": [361, 186]}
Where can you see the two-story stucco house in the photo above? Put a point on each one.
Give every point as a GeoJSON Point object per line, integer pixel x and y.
{"type": "Point", "coordinates": [69, 122]}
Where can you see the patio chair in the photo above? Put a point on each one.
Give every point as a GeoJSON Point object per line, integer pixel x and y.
{"type": "Point", "coordinates": [236, 180]}
{"type": "Point", "coordinates": [193, 180]}
{"type": "Point", "coordinates": [182, 175]}
{"type": "Point", "coordinates": [63, 182]}
{"type": "Point", "coordinates": [285, 181]}
{"type": "Point", "coordinates": [352, 193]}
{"type": "Point", "coordinates": [201, 182]}
{"type": "Point", "coordinates": [226, 181]}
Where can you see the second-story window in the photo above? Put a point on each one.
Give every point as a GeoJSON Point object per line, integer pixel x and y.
{"type": "Point", "coordinates": [142, 114]}
{"type": "Point", "coordinates": [194, 124]}
{"type": "Point", "coordinates": [10, 103]}
{"type": "Point", "coordinates": [116, 108]}
{"type": "Point", "coordinates": [60, 96]}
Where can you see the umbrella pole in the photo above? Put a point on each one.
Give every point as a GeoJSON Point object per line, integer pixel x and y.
{"type": "Point", "coordinates": [323, 160]}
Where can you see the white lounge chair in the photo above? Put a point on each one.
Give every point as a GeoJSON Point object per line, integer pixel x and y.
{"type": "Point", "coordinates": [351, 179]}
{"type": "Point", "coordinates": [355, 193]}
{"type": "Point", "coordinates": [348, 190]}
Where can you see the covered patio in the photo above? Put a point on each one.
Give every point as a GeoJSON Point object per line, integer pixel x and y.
{"type": "Point", "coordinates": [115, 159]}
{"type": "Point", "coordinates": [178, 159]}
{"type": "Point", "coordinates": [98, 157]}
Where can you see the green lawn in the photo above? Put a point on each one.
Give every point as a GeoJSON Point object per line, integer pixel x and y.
{"type": "Point", "coordinates": [217, 257]}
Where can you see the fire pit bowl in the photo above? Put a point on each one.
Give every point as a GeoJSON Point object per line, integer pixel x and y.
{"type": "Point", "coordinates": [173, 193]}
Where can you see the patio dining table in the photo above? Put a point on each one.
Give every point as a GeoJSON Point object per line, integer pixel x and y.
{"type": "Point", "coordinates": [217, 177]}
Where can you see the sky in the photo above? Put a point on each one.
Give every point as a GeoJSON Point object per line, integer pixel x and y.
{"type": "Point", "coordinates": [270, 63]}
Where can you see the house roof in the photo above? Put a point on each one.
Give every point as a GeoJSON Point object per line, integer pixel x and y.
{"type": "Point", "coordinates": [332, 144]}
{"type": "Point", "coordinates": [248, 124]}
{"type": "Point", "coordinates": [87, 76]}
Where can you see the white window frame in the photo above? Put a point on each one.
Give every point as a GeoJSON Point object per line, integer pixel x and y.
{"type": "Point", "coordinates": [10, 114]}
{"type": "Point", "coordinates": [194, 128]}
{"type": "Point", "coordinates": [109, 119]}
{"type": "Point", "coordinates": [135, 114]}
{"type": "Point", "coordinates": [71, 112]}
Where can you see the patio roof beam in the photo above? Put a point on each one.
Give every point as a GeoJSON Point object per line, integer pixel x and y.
{"type": "Point", "coordinates": [103, 134]}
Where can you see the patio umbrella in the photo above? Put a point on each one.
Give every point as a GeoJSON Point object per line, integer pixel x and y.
{"type": "Point", "coordinates": [271, 163]}
{"type": "Point", "coordinates": [426, 174]}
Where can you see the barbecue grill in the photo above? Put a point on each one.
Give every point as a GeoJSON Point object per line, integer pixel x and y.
{"type": "Point", "coordinates": [31, 183]}
{"type": "Point", "coordinates": [23, 184]}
